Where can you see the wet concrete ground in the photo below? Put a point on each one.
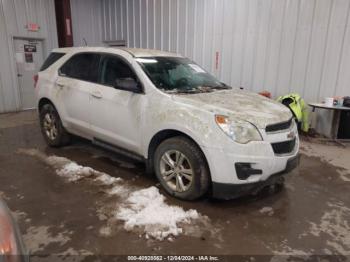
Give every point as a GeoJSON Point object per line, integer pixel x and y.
{"type": "Point", "coordinates": [310, 216]}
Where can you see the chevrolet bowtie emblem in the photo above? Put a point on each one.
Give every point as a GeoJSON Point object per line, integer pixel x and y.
{"type": "Point", "coordinates": [291, 135]}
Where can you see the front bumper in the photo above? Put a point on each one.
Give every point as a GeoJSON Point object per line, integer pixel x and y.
{"type": "Point", "coordinates": [231, 191]}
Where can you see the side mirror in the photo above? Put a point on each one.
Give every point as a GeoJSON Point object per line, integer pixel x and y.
{"type": "Point", "coordinates": [60, 72]}
{"type": "Point", "coordinates": [127, 84]}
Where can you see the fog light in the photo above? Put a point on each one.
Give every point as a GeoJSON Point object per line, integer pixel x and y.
{"type": "Point", "coordinates": [245, 170]}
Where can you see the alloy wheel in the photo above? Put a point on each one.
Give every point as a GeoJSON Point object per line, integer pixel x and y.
{"type": "Point", "coordinates": [50, 126]}
{"type": "Point", "coordinates": [176, 170]}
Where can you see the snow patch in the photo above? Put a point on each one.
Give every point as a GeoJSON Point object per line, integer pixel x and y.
{"type": "Point", "coordinates": [107, 179]}
{"type": "Point", "coordinates": [73, 172]}
{"type": "Point", "coordinates": [286, 251]}
{"type": "Point", "coordinates": [344, 175]}
{"type": "Point", "coordinates": [267, 210]}
{"type": "Point", "coordinates": [119, 190]}
{"type": "Point", "coordinates": [334, 223]}
{"type": "Point", "coordinates": [37, 238]}
{"type": "Point", "coordinates": [19, 215]}
{"type": "Point", "coordinates": [105, 231]}
{"type": "Point", "coordinates": [146, 210]}
{"type": "Point", "coordinates": [79, 255]}
{"type": "Point", "coordinates": [3, 195]}
{"type": "Point", "coordinates": [142, 210]}
{"type": "Point", "coordinates": [56, 161]}
{"type": "Point", "coordinates": [70, 170]}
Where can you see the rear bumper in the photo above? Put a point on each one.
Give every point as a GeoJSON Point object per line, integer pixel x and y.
{"type": "Point", "coordinates": [231, 191]}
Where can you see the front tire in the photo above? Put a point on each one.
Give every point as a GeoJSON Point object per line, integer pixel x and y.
{"type": "Point", "coordinates": [181, 168]}
{"type": "Point", "coordinates": [51, 127]}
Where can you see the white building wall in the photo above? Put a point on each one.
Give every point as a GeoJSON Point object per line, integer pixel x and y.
{"type": "Point", "coordinates": [14, 16]}
{"type": "Point", "coordinates": [87, 22]}
{"type": "Point", "coordinates": [277, 45]}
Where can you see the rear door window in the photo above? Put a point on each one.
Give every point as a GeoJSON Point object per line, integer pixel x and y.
{"type": "Point", "coordinates": [82, 66]}
{"type": "Point", "coordinates": [51, 59]}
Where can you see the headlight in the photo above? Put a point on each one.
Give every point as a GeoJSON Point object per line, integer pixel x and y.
{"type": "Point", "coordinates": [238, 130]}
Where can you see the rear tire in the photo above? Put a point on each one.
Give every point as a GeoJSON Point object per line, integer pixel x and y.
{"type": "Point", "coordinates": [181, 168]}
{"type": "Point", "coordinates": [51, 127]}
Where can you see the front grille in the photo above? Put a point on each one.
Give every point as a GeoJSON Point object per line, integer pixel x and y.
{"type": "Point", "coordinates": [279, 126]}
{"type": "Point", "coordinates": [284, 147]}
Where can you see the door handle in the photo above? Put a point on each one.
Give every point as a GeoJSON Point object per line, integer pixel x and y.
{"type": "Point", "coordinates": [96, 94]}
{"type": "Point", "coordinates": [60, 85]}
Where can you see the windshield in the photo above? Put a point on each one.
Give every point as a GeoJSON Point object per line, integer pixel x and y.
{"type": "Point", "coordinates": [179, 75]}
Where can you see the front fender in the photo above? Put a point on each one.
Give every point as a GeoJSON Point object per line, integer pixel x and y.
{"type": "Point", "coordinates": [197, 138]}
{"type": "Point", "coordinates": [192, 123]}
{"type": "Point", "coordinates": [171, 127]}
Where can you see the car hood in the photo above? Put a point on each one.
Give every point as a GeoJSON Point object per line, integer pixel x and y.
{"type": "Point", "coordinates": [239, 104]}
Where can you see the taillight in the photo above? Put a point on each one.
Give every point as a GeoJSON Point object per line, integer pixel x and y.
{"type": "Point", "coordinates": [35, 78]}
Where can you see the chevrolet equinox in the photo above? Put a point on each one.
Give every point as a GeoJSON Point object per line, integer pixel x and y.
{"type": "Point", "coordinates": [197, 134]}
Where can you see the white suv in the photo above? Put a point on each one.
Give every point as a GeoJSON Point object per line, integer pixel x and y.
{"type": "Point", "coordinates": [195, 133]}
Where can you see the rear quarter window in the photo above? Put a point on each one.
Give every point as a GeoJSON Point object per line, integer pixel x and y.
{"type": "Point", "coordinates": [51, 59]}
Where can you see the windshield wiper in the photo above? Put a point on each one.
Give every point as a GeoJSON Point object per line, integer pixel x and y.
{"type": "Point", "coordinates": [188, 91]}
{"type": "Point", "coordinates": [223, 87]}
{"type": "Point", "coordinates": [180, 91]}
{"type": "Point", "coordinates": [204, 89]}
{"type": "Point", "coordinates": [196, 90]}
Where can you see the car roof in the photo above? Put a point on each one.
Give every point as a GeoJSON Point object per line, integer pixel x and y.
{"type": "Point", "coordinates": [140, 52]}
{"type": "Point", "coordinates": [135, 52]}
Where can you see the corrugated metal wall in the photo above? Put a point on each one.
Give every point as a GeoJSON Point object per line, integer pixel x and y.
{"type": "Point", "coordinates": [275, 45]}
{"type": "Point", "coordinates": [14, 16]}
{"type": "Point", "coordinates": [87, 22]}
